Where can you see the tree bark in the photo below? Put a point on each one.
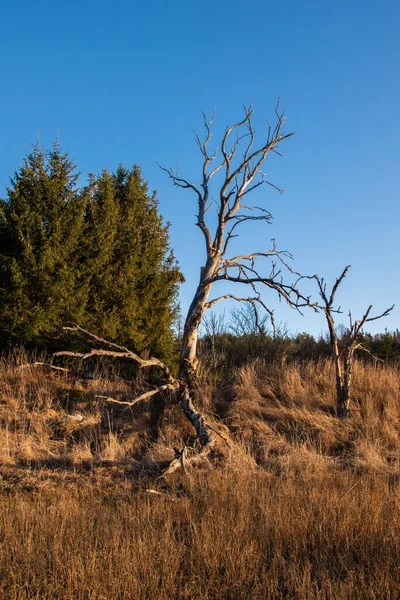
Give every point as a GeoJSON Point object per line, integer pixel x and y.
{"type": "Point", "coordinates": [343, 402]}
{"type": "Point", "coordinates": [196, 418]}
{"type": "Point", "coordinates": [189, 363]}
{"type": "Point", "coordinates": [343, 353]}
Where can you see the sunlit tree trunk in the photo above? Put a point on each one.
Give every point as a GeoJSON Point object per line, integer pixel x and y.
{"type": "Point", "coordinates": [343, 350]}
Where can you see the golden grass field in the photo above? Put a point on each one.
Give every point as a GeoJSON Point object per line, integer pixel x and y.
{"type": "Point", "coordinates": [295, 504]}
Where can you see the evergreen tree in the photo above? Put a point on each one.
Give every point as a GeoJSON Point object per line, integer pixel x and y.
{"type": "Point", "coordinates": [134, 280]}
{"type": "Point", "coordinates": [40, 225]}
{"type": "Point", "coordinates": [101, 231]}
{"type": "Point", "coordinates": [99, 257]}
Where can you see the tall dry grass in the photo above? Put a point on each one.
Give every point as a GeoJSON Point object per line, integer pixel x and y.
{"type": "Point", "coordinates": [47, 417]}
{"type": "Point", "coordinates": [302, 506]}
{"type": "Point", "coordinates": [227, 536]}
{"type": "Point", "coordinates": [282, 412]}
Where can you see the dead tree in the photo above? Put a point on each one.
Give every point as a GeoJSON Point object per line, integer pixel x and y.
{"type": "Point", "coordinates": [241, 165]}
{"type": "Point", "coordinates": [343, 350]}
{"type": "Point", "coordinates": [239, 160]}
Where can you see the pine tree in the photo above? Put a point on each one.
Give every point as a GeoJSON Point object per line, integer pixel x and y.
{"type": "Point", "coordinates": [134, 282]}
{"type": "Point", "coordinates": [101, 230]}
{"type": "Point", "coordinates": [99, 257]}
{"type": "Point", "coordinates": [41, 222]}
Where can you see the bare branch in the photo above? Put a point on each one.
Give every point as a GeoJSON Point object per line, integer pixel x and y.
{"type": "Point", "coordinates": [202, 198]}
{"type": "Point", "coordinates": [240, 180]}
{"type": "Point", "coordinates": [95, 337]}
{"type": "Point", "coordinates": [123, 353]}
{"type": "Point", "coordinates": [177, 462]}
{"type": "Point", "coordinates": [252, 300]}
{"type": "Point", "coordinates": [160, 494]}
{"type": "Point", "coordinates": [144, 396]}
{"type": "Point", "coordinates": [364, 349]}
{"type": "Point", "coordinates": [358, 325]}
{"type": "Point", "coordinates": [235, 260]}
{"type": "Point", "coordinates": [337, 283]}
{"type": "Point", "coordinates": [223, 438]}
{"type": "Point", "coordinates": [228, 155]}
{"type": "Point", "coordinates": [239, 219]}
{"type": "Point", "coordinates": [179, 182]}
{"type": "Point", "coordinates": [44, 365]}
{"type": "Point", "coordinates": [250, 276]}
{"type": "Point", "coordinates": [384, 314]}
{"type": "Point", "coordinates": [181, 387]}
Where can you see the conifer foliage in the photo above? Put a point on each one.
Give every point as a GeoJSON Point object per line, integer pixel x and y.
{"type": "Point", "coordinates": [42, 221]}
{"type": "Point", "coordinates": [99, 256]}
{"type": "Point", "coordinates": [133, 273]}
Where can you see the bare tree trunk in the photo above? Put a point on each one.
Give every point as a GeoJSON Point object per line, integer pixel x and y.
{"type": "Point", "coordinates": [343, 355]}
{"type": "Point", "coordinates": [338, 370]}
{"type": "Point", "coordinates": [196, 418]}
{"type": "Point", "coordinates": [343, 402]}
{"type": "Point", "coordinates": [342, 383]}
{"type": "Point", "coordinates": [344, 405]}
{"type": "Point", "coordinates": [189, 363]}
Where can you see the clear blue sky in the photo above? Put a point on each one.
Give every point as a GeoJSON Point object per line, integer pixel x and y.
{"type": "Point", "coordinates": [124, 81]}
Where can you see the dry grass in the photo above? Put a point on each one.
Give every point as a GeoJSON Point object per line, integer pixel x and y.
{"type": "Point", "coordinates": [50, 418]}
{"type": "Point", "coordinates": [303, 506]}
{"type": "Point", "coordinates": [335, 536]}
{"type": "Point", "coordinates": [283, 412]}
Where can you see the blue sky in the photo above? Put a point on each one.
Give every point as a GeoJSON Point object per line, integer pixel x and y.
{"type": "Point", "coordinates": [123, 81]}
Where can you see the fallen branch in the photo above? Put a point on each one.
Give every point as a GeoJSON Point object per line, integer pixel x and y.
{"type": "Point", "coordinates": [159, 494]}
{"type": "Point", "coordinates": [178, 463]}
{"type": "Point", "coordinates": [122, 353]}
{"type": "Point", "coordinates": [185, 400]}
{"type": "Point", "coordinates": [181, 455]}
{"type": "Point", "coordinates": [144, 396]}
{"type": "Point", "coordinates": [47, 366]}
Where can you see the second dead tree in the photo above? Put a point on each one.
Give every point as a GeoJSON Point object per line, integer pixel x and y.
{"type": "Point", "coordinates": [343, 350]}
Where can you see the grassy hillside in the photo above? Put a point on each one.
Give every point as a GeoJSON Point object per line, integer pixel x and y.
{"type": "Point", "coordinates": [297, 504]}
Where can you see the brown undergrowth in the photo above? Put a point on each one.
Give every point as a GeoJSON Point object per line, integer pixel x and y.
{"type": "Point", "coordinates": [286, 413]}
{"type": "Point", "coordinates": [299, 505]}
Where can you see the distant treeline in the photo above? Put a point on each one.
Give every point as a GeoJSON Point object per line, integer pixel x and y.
{"type": "Point", "coordinates": [98, 255]}
{"type": "Point", "coordinates": [223, 351]}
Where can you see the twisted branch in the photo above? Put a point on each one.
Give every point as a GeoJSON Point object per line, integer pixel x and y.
{"type": "Point", "coordinates": [123, 353]}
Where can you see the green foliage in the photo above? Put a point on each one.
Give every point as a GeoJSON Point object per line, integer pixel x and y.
{"type": "Point", "coordinates": [222, 351]}
{"type": "Point", "coordinates": [98, 256]}
{"type": "Point", "coordinates": [133, 273]}
{"type": "Point", "coordinates": [384, 346]}
{"type": "Point", "coordinates": [40, 225]}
